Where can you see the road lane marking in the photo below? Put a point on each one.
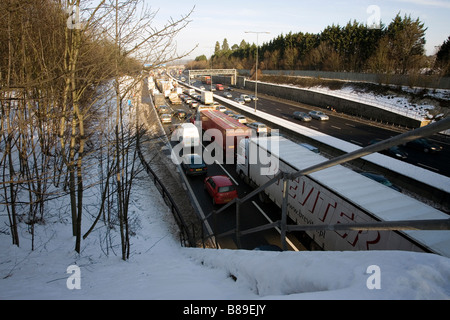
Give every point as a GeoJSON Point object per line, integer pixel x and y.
{"type": "Point", "coordinates": [336, 127]}
{"type": "Point", "coordinates": [350, 125]}
{"type": "Point", "coordinates": [357, 142]}
{"type": "Point", "coordinates": [428, 167]}
{"type": "Point", "coordinates": [228, 174]}
{"type": "Point", "coordinates": [270, 221]}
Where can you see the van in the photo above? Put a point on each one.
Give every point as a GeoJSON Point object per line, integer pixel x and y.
{"type": "Point", "coordinates": [188, 135]}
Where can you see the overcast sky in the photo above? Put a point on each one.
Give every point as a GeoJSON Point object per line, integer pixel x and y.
{"type": "Point", "coordinates": [215, 20]}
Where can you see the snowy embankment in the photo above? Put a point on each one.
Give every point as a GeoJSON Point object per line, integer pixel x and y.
{"type": "Point", "coordinates": [160, 269]}
{"type": "Point", "coordinates": [399, 104]}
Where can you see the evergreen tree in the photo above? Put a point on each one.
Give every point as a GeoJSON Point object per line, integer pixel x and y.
{"type": "Point", "coordinates": [225, 45]}
{"type": "Point", "coordinates": [217, 48]}
{"type": "Point", "coordinates": [443, 57]}
{"type": "Point", "coordinates": [406, 42]}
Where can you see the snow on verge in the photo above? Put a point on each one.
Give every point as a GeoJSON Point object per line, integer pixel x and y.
{"type": "Point", "coordinates": [159, 269]}
{"type": "Point", "coordinates": [333, 275]}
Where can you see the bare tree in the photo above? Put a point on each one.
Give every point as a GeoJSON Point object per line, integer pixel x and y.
{"type": "Point", "coordinates": [134, 38]}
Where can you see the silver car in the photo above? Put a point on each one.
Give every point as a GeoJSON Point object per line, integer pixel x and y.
{"type": "Point", "coordinates": [319, 115]}
{"type": "Point", "coordinates": [166, 118]}
{"type": "Point", "coordinates": [240, 118]}
{"type": "Point", "coordinates": [258, 127]}
{"type": "Point", "coordinates": [302, 116]}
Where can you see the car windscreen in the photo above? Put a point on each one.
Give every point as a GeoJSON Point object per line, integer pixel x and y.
{"type": "Point", "coordinates": [195, 162]}
{"type": "Point", "coordinates": [226, 189]}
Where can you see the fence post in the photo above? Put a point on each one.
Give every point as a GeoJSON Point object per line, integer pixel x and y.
{"type": "Point", "coordinates": [238, 224]}
{"type": "Point", "coordinates": [215, 228]}
{"type": "Point", "coordinates": [283, 226]}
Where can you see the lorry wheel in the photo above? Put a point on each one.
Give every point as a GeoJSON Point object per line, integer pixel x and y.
{"type": "Point", "coordinates": [243, 177]}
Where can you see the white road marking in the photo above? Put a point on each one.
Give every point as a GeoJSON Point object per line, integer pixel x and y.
{"type": "Point", "coordinates": [228, 174]}
{"type": "Point", "coordinates": [357, 142]}
{"type": "Point", "coordinates": [278, 229]}
{"type": "Point", "coordinates": [428, 167]}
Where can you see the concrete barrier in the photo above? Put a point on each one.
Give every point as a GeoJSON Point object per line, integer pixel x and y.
{"type": "Point", "coordinates": [325, 101]}
{"type": "Point", "coordinates": [416, 80]}
{"type": "Point", "coordinates": [342, 105]}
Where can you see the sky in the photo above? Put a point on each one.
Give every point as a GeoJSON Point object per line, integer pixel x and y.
{"type": "Point", "coordinates": [214, 21]}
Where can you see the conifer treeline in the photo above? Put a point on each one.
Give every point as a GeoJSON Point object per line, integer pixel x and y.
{"type": "Point", "coordinates": [396, 48]}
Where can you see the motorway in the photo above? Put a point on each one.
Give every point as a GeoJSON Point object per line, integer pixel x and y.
{"type": "Point", "coordinates": [255, 213]}
{"type": "Point", "coordinates": [353, 130]}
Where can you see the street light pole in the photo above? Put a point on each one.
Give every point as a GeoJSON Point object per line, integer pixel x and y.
{"type": "Point", "coordinates": [257, 62]}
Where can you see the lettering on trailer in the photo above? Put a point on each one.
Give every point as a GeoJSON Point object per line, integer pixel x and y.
{"type": "Point", "coordinates": [318, 205]}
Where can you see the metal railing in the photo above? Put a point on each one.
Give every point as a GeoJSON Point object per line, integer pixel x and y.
{"type": "Point", "coordinates": [186, 238]}
{"type": "Point", "coordinates": [287, 177]}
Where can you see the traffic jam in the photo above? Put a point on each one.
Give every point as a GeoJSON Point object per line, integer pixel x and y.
{"type": "Point", "coordinates": [226, 156]}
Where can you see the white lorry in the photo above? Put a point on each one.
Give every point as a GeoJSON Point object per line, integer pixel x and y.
{"type": "Point", "coordinates": [187, 134]}
{"type": "Point", "coordinates": [337, 195]}
{"type": "Point", "coordinates": [207, 97]}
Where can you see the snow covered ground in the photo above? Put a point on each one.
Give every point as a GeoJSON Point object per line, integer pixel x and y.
{"type": "Point", "coordinates": [396, 104]}
{"type": "Point", "coordinates": [159, 269]}
{"type": "Point", "coordinates": [399, 105]}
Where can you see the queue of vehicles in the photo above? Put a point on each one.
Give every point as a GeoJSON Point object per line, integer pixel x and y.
{"type": "Point", "coordinates": [194, 100]}
{"type": "Point", "coordinates": [315, 199]}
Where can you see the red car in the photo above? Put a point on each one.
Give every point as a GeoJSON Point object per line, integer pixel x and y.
{"type": "Point", "coordinates": [221, 189]}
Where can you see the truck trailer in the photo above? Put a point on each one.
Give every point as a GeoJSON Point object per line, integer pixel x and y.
{"type": "Point", "coordinates": [207, 97]}
{"type": "Point", "coordinates": [225, 131]}
{"type": "Point", "coordinates": [338, 195]}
